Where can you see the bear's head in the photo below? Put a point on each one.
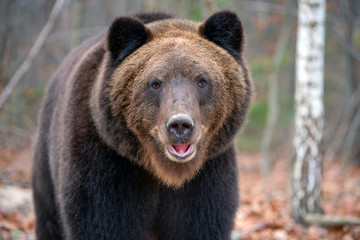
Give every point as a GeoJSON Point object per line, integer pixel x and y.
{"type": "Point", "coordinates": [172, 93]}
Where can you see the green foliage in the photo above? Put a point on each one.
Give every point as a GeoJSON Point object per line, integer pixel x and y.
{"type": "Point", "coordinates": [195, 14]}
{"type": "Point", "coordinates": [286, 113]}
{"type": "Point", "coordinates": [258, 112]}
{"type": "Point", "coordinates": [250, 138]}
{"type": "Point", "coordinates": [356, 40]}
{"type": "Point", "coordinates": [288, 59]}
{"type": "Point", "coordinates": [196, 11]}
{"type": "Point", "coordinates": [224, 4]}
{"type": "Point", "coordinates": [15, 234]}
{"type": "Point", "coordinates": [248, 142]}
{"type": "Point", "coordinates": [260, 67]}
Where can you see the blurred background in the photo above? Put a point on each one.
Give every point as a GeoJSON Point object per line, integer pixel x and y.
{"type": "Point", "coordinates": [270, 28]}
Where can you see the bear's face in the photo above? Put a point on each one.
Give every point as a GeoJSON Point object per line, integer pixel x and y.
{"type": "Point", "coordinates": [175, 92]}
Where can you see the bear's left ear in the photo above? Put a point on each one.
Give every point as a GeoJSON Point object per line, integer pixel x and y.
{"type": "Point", "coordinates": [125, 35]}
{"type": "Point", "coordinates": [224, 29]}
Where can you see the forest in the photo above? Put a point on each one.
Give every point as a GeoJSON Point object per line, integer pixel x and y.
{"type": "Point", "coordinates": [37, 35]}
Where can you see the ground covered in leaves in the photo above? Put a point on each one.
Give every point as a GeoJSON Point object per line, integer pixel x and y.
{"type": "Point", "coordinates": [264, 212]}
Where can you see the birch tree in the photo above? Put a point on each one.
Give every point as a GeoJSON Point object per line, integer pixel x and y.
{"type": "Point", "coordinates": [307, 176]}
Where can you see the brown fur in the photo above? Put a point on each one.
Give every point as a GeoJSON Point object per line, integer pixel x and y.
{"type": "Point", "coordinates": [101, 156]}
{"type": "Point", "coordinates": [173, 43]}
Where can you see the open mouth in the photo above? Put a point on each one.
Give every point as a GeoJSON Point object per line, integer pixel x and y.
{"type": "Point", "coordinates": [181, 151]}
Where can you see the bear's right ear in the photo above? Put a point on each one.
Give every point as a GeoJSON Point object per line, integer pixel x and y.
{"type": "Point", "coordinates": [224, 29]}
{"type": "Point", "coordinates": [125, 35]}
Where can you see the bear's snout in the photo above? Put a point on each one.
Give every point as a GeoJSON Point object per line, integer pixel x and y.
{"type": "Point", "coordinates": [180, 126]}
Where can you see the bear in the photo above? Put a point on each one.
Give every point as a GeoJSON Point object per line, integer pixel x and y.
{"type": "Point", "coordinates": [136, 132]}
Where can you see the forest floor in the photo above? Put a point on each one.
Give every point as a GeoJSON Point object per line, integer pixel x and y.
{"type": "Point", "coordinates": [265, 209]}
{"type": "Point", "coordinates": [264, 212]}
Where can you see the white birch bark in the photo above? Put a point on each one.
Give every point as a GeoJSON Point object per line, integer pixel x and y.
{"type": "Point", "coordinates": [309, 121]}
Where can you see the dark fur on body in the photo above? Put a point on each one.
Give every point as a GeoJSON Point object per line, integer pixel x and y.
{"type": "Point", "coordinates": [99, 169]}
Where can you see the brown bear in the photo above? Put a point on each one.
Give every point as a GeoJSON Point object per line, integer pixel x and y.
{"type": "Point", "coordinates": [136, 132]}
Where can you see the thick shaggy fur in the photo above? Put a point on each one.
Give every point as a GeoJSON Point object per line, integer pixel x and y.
{"type": "Point", "coordinates": [101, 170]}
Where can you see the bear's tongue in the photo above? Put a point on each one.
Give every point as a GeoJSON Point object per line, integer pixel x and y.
{"type": "Point", "coordinates": [181, 148]}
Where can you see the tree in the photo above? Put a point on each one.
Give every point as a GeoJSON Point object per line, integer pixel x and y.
{"type": "Point", "coordinates": [350, 11]}
{"type": "Point", "coordinates": [343, 135]}
{"type": "Point", "coordinates": [33, 52]}
{"type": "Point", "coordinates": [307, 176]}
{"type": "Point", "coordinates": [273, 92]}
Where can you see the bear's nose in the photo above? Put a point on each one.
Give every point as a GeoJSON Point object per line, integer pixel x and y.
{"type": "Point", "coordinates": [180, 126]}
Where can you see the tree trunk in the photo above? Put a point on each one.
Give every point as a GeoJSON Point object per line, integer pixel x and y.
{"type": "Point", "coordinates": [273, 87]}
{"type": "Point", "coordinates": [4, 17]}
{"type": "Point", "coordinates": [78, 21]}
{"type": "Point", "coordinates": [350, 11]}
{"type": "Point", "coordinates": [349, 15]}
{"type": "Point", "coordinates": [309, 121]}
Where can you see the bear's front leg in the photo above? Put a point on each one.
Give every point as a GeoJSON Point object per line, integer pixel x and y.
{"type": "Point", "coordinates": [104, 196]}
{"type": "Point", "coordinates": [205, 207]}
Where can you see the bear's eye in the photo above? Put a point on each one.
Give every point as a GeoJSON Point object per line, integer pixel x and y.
{"type": "Point", "coordinates": [155, 84]}
{"type": "Point", "coordinates": [202, 82]}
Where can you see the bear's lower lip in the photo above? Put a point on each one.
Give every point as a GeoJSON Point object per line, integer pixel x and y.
{"type": "Point", "coordinates": [181, 150]}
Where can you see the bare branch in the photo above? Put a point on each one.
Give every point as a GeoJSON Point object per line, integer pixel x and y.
{"type": "Point", "coordinates": [273, 103]}
{"type": "Point", "coordinates": [259, 6]}
{"type": "Point", "coordinates": [241, 234]}
{"type": "Point", "coordinates": [33, 52]}
{"type": "Point", "coordinates": [344, 42]}
{"type": "Point", "coordinates": [349, 141]}
{"type": "Point", "coordinates": [211, 6]}
{"type": "Point", "coordinates": [342, 130]}
{"type": "Point", "coordinates": [12, 130]}
{"type": "Point", "coordinates": [330, 220]}
{"type": "Point", "coordinates": [78, 33]}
